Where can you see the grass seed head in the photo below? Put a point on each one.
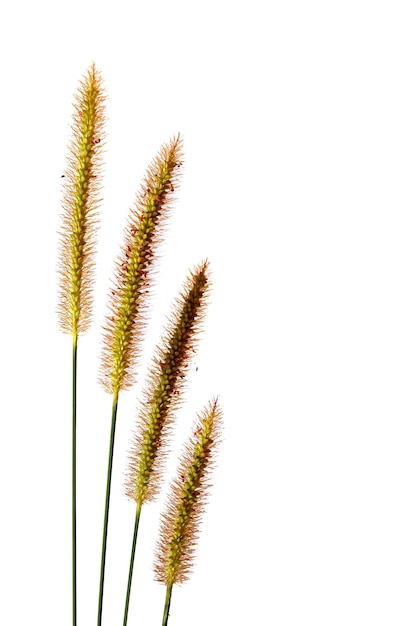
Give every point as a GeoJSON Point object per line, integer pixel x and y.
{"type": "Point", "coordinates": [187, 499]}
{"type": "Point", "coordinates": [165, 384]}
{"type": "Point", "coordinates": [81, 186]}
{"type": "Point", "coordinates": [125, 321]}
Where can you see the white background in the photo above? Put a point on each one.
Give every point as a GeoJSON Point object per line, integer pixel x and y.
{"type": "Point", "coordinates": [300, 129]}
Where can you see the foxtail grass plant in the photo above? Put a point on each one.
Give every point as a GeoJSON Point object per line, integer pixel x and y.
{"type": "Point", "coordinates": [81, 186]}
{"type": "Point", "coordinates": [186, 503]}
{"type": "Point", "coordinates": [123, 331]}
{"type": "Point", "coordinates": [162, 397]}
{"type": "Point", "coordinates": [128, 302]}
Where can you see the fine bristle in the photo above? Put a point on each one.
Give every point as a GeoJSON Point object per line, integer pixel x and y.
{"type": "Point", "coordinates": [165, 382]}
{"type": "Point", "coordinates": [82, 182]}
{"type": "Point", "coordinates": [125, 321]}
{"type": "Point", "coordinates": [187, 499]}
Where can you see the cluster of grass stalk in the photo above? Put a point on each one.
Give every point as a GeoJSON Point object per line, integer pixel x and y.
{"type": "Point", "coordinates": [123, 332]}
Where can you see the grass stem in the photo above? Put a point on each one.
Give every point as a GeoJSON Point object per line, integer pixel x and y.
{"type": "Point", "coordinates": [106, 507]}
{"type": "Point", "coordinates": [74, 479]}
{"type": "Point", "coordinates": [132, 561]}
{"type": "Point", "coordinates": [167, 604]}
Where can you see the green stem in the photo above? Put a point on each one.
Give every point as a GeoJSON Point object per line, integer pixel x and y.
{"type": "Point", "coordinates": [106, 507]}
{"type": "Point", "coordinates": [166, 607]}
{"type": "Point", "coordinates": [132, 560]}
{"type": "Point", "coordinates": [74, 479]}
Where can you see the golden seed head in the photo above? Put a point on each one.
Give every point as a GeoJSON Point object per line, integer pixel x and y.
{"type": "Point", "coordinates": [187, 499]}
{"type": "Point", "coordinates": [165, 383]}
{"type": "Point", "coordinates": [81, 186]}
{"type": "Point", "coordinates": [125, 321]}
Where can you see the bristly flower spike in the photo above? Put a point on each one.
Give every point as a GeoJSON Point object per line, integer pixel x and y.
{"type": "Point", "coordinates": [186, 503]}
{"type": "Point", "coordinates": [125, 321]}
{"type": "Point", "coordinates": [81, 185]}
{"type": "Point", "coordinates": [124, 324]}
{"type": "Point", "coordinates": [82, 181]}
{"type": "Point", "coordinates": [162, 397]}
{"type": "Point", "coordinates": [164, 385]}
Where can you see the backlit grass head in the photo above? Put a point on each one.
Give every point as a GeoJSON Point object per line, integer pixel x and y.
{"type": "Point", "coordinates": [81, 186]}
{"type": "Point", "coordinates": [165, 383]}
{"type": "Point", "coordinates": [187, 500]}
{"type": "Point", "coordinates": [124, 324]}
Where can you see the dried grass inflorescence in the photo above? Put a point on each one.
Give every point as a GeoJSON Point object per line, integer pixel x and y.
{"type": "Point", "coordinates": [81, 186]}
{"type": "Point", "coordinates": [125, 321]}
{"type": "Point", "coordinates": [187, 499]}
{"type": "Point", "coordinates": [164, 385]}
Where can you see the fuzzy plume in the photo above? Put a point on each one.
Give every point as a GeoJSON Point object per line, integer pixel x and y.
{"type": "Point", "coordinates": [81, 186]}
{"type": "Point", "coordinates": [187, 499]}
{"type": "Point", "coordinates": [164, 385]}
{"type": "Point", "coordinates": [125, 322]}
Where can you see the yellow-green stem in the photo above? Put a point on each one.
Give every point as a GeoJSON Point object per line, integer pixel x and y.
{"type": "Point", "coordinates": [132, 561]}
{"type": "Point", "coordinates": [74, 479]}
{"type": "Point", "coordinates": [167, 604]}
{"type": "Point", "coordinates": [106, 506]}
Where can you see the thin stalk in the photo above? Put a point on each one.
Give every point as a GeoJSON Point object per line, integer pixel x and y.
{"type": "Point", "coordinates": [166, 607]}
{"type": "Point", "coordinates": [106, 507]}
{"type": "Point", "coordinates": [74, 479]}
{"type": "Point", "coordinates": [132, 561]}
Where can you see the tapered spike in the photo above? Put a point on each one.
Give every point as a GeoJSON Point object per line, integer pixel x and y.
{"type": "Point", "coordinates": [187, 499]}
{"type": "Point", "coordinates": [82, 182]}
{"type": "Point", "coordinates": [165, 384]}
{"type": "Point", "coordinates": [125, 321]}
